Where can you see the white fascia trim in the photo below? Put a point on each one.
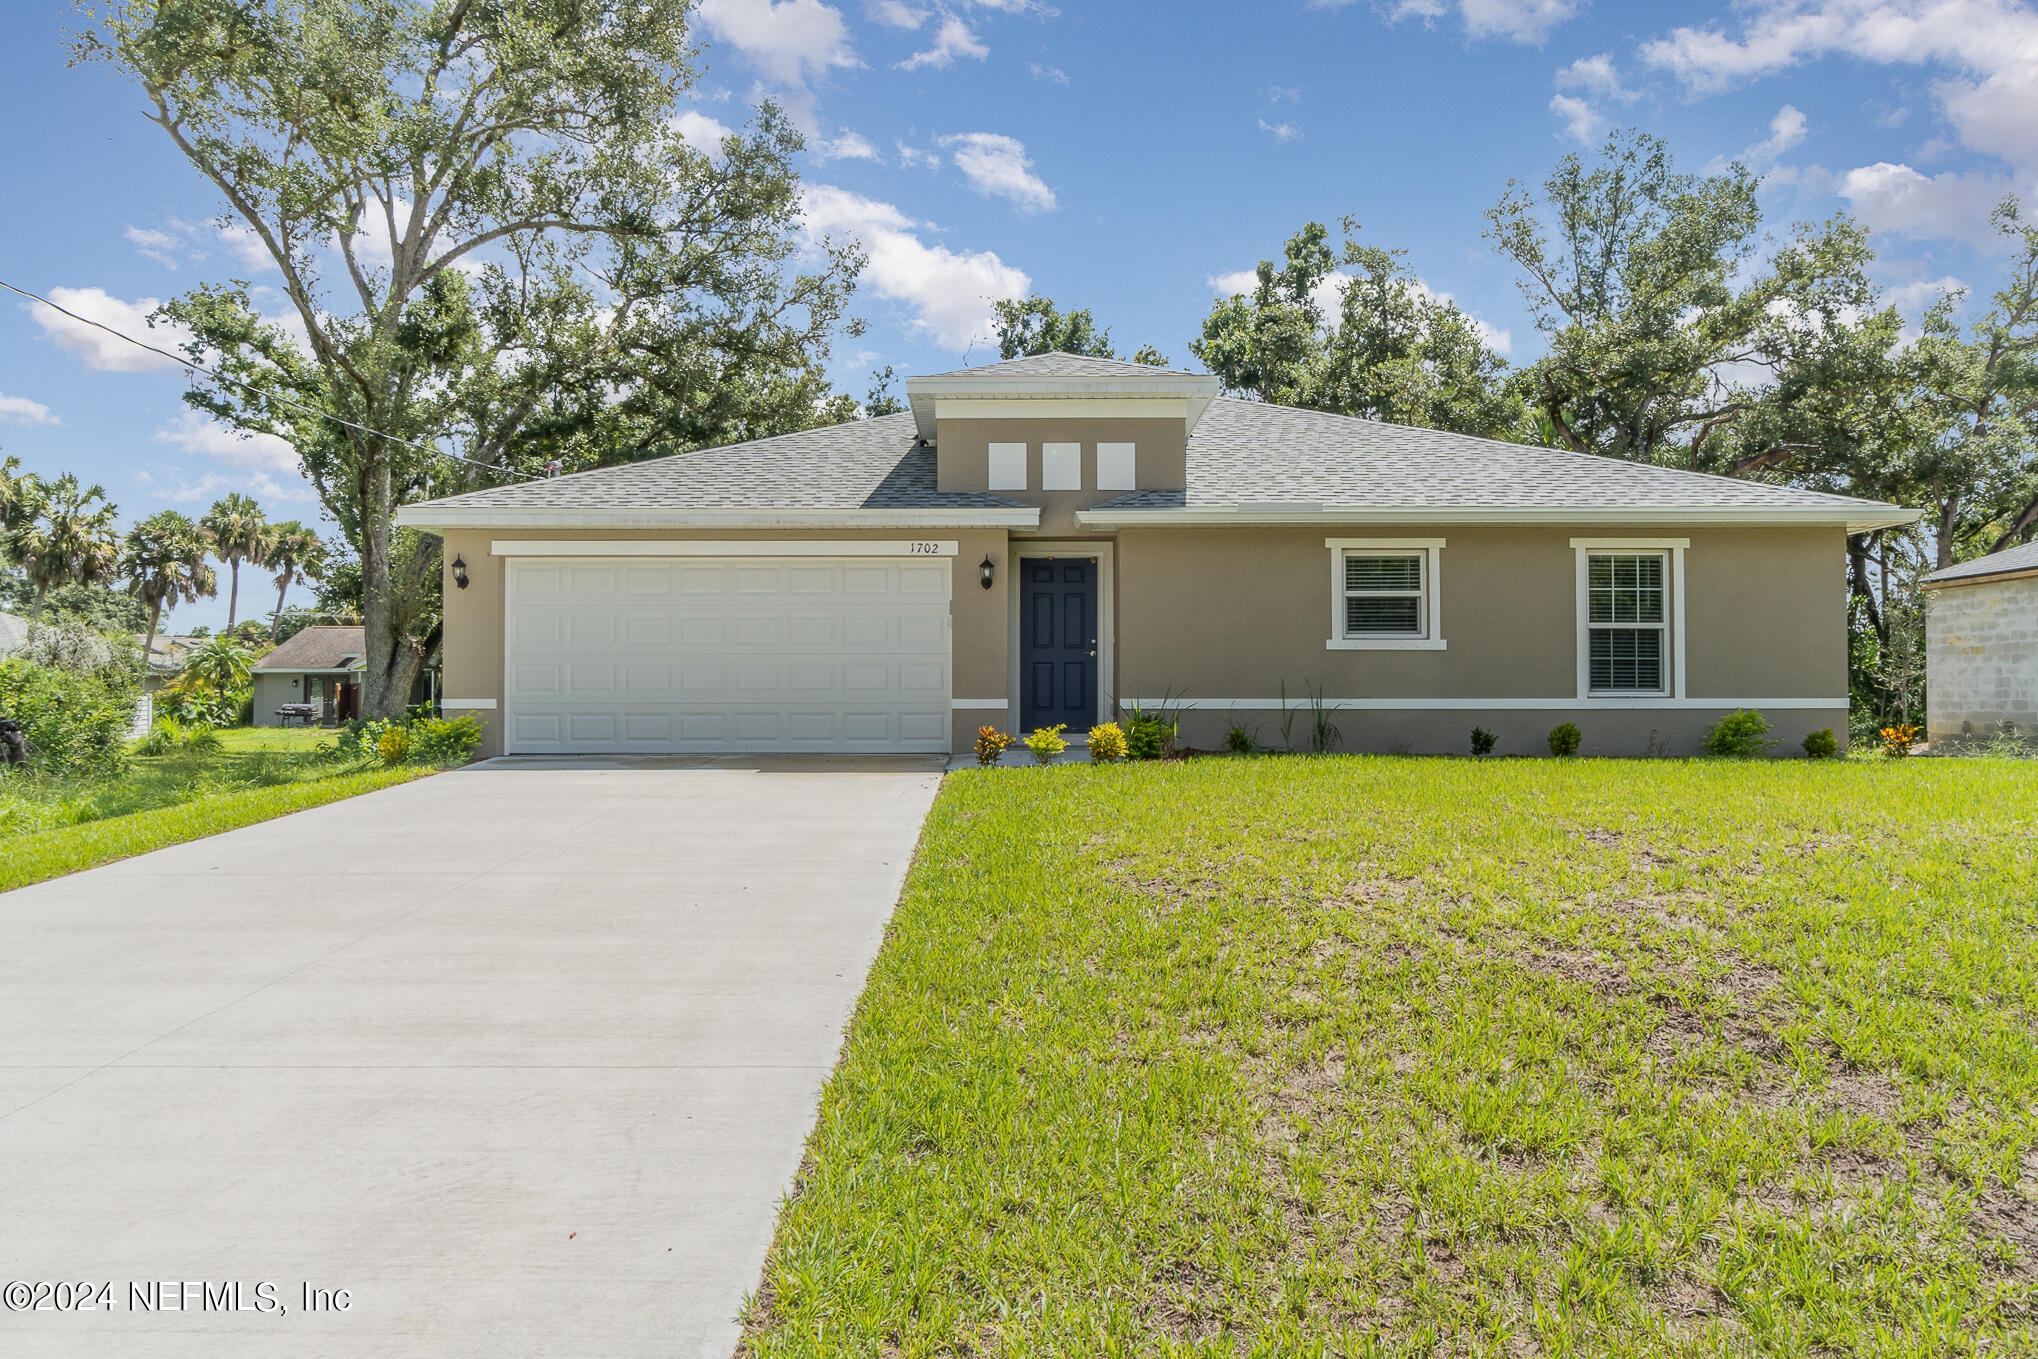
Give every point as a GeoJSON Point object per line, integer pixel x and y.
{"type": "Point", "coordinates": [1854, 518]}
{"type": "Point", "coordinates": [725, 547]}
{"type": "Point", "coordinates": [478, 705]}
{"type": "Point", "coordinates": [461, 517]}
{"type": "Point", "coordinates": [1061, 408]}
{"type": "Point", "coordinates": [973, 705]}
{"type": "Point", "coordinates": [1476, 704]}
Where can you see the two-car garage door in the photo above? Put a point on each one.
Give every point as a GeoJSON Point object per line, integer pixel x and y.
{"type": "Point", "coordinates": [653, 655]}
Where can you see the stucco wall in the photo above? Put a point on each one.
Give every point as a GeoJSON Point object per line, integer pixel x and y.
{"type": "Point", "coordinates": [1982, 658]}
{"type": "Point", "coordinates": [1230, 614]}
{"type": "Point", "coordinates": [963, 460]}
{"type": "Point", "coordinates": [474, 616]}
{"type": "Point", "coordinates": [271, 692]}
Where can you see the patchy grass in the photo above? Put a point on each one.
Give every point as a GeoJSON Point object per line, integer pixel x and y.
{"type": "Point", "coordinates": [50, 854]}
{"type": "Point", "coordinates": [53, 826]}
{"type": "Point", "coordinates": [1358, 1056]}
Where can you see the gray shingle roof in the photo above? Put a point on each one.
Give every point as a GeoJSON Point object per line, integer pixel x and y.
{"type": "Point", "coordinates": [316, 648]}
{"type": "Point", "coordinates": [1242, 453]}
{"type": "Point", "coordinates": [1250, 453]}
{"type": "Point", "coordinates": [1058, 364]}
{"type": "Point", "coordinates": [865, 464]}
{"type": "Point", "coordinates": [2023, 558]}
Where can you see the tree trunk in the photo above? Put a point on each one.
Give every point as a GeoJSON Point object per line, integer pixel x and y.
{"type": "Point", "coordinates": [1857, 560]}
{"type": "Point", "coordinates": [276, 621]}
{"type": "Point", "coordinates": [155, 617]}
{"type": "Point", "coordinates": [233, 597]}
{"type": "Point", "coordinates": [1949, 517]}
{"type": "Point", "coordinates": [388, 664]}
{"type": "Point", "coordinates": [35, 612]}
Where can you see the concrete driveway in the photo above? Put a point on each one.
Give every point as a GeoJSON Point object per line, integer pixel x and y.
{"type": "Point", "coordinates": [521, 1057]}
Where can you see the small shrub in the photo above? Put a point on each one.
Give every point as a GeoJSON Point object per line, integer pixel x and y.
{"type": "Point", "coordinates": [991, 743]}
{"type": "Point", "coordinates": [76, 722]}
{"type": "Point", "coordinates": [1565, 738]}
{"type": "Point", "coordinates": [1482, 741]}
{"type": "Point", "coordinates": [1147, 739]}
{"type": "Point", "coordinates": [1740, 734]}
{"type": "Point", "coordinates": [444, 740]}
{"type": "Point", "coordinates": [1107, 743]}
{"type": "Point", "coordinates": [1822, 744]}
{"type": "Point", "coordinates": [1239, 741]}
{"type": "Point", "coordinates": [1898, 740]}
{"type": "Point", "coordinates": [1046, 743]}
{"type": "Point", "coordinates": [393, 745]}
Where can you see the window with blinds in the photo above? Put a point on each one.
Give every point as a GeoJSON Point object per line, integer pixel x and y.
{"type": "Point", "coordinates": [1627, 622]}
{"type": "Point", "coordinates": [1383, 594]}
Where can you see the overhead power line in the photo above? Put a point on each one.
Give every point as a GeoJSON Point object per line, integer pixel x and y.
{"type": "Point", "coordinates": [260, 391]}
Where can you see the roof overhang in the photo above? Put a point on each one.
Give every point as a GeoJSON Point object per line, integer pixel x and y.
{"type": "Point", "coordinates": [1855, 518]}
{"type": "Point", "coordinates": [1978, 578]}
{"type": "Point", "coordinates": [440, 517]}
{"type": "Point", "coordinates": [1137, 391]}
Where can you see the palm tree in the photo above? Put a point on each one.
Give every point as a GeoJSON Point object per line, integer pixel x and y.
{"type": "Point", "coordinates": [69, 540]}
{"type": "Point", "coordinates": [239, 534]}
{"type": "Point", "coordinates": [221, 664]}
{"type": "Point", "coordinates": [164, 559]}
{"type": "Point", "coordinates": [20, 496]}
{"type": "Point", "coordinates": [296, 555]}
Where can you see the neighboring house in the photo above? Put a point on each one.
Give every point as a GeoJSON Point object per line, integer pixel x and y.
{"type": "Point", "coordinates": [1056, 539]}
{"type": "Point", "coordinates": [166, 659]}
{"type": "Point", "coordinates": [1981, 647]}
{"type": "Point", "coordinates": [318, 665]}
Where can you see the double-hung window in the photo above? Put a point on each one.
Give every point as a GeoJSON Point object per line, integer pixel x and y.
{"type": "Point", "coordinates": [1630, 617]}
{"type": "Point", "coordinates": [1384, 594]}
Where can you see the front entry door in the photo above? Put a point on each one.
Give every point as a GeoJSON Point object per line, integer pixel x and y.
{"type": "Point", "coordinates": [1058, 643]}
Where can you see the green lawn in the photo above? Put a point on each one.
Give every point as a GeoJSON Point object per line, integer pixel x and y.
{"type": "Point", "coordinates": [49, 827]}
{"type": "Point", "coordinates": [1373, 1056]}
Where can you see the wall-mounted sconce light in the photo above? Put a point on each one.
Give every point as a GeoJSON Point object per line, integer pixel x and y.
{"type": "Point", "coordinates": [459, 573]}
{"type": "Point", "coordinates": [988, 571]}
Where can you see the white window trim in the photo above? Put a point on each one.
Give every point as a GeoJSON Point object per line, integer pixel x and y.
{"type": "Point", "coordinates": [1432, 594]}
{"type": "Point", "coordinates": [1673, 631]}
{"type": "Point", "coordinates": [1122, 476]}
{"type": "Point", "coordinates": [1061, 466]}
{"type": "Point", "coordinates": [991, 469]}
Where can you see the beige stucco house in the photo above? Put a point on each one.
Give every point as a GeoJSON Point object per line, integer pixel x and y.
{"type": "Point", "coordinates": [1981, 648]}
{"type": "Point", "coordinates": [1052, 539]}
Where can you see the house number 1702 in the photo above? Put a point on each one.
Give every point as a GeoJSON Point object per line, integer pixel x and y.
{"type": "Point", "coordinates": [924, 549]}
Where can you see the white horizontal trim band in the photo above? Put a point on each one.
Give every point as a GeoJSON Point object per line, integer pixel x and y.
{"type": "Point", "coordinates": [1477, 704]}
{"type": "Point", "coordinates": [723, 547]}
{"type": "Point", "coordinates": [479, 705]}
{"type": "Point", "coordinates": [1610, 544]}
{"type": "Point", "coordinates": [1385, 644]}
{"type": "Point", "coordinates": [1854, 518]}
{"type": "Point", "coordinates": [971, 705]}
{"type": "Point", "coordinates": [440, 517]}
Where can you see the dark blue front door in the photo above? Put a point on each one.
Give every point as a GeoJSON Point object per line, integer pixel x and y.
{"type": "Point", "coordinates": [1058, 642]}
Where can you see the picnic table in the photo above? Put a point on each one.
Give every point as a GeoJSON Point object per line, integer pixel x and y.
{"type": "Point", "coordinates": [304, 714]}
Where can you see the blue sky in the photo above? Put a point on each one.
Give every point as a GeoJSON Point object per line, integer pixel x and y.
{"type": "Point", "coordinates": [1123, 157]}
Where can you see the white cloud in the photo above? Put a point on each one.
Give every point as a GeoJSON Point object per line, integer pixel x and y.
{"type": "Point", "coordinates": [1913, 298]}
{"type": "Point", "coordinates": [954, 39]}
{"type": "Point", "coordinates": [787, 39]}
{"type": "Point", "coordinates": [1054, 73]}
{"type": "Point", "coordinates": [98, 349]}
{"type": "Point", "coordinates": [912, 157]}
{"type": "Point", "coordinates": [1907, 202]}
{"type": "Point", "coordinates": [156, 245]}
{"type": "Point", "coordinates": [1991, 44]}
{"type": "Point", "coordinates": [897, 15]}
{"type": "Point", "coordinates": [699, 131]}
{"type": "Point", "coordinates": [848, 146]}
{"type": "Point", "coordinates": [1583, 122]}
{"type": "Point", "coordinates": [949, 291]}
{"type": "Point", "coordinates": [998, 167]}
{"type": "Point", "coordinates": [259, 464]}
{"type": "Point", "coordinates": [19, 410]}
{"type": "Point", "coordinates": [1282, 132]}
{"type": "Point", "coordinates": [1786, 130]}
{"type": "Point", "coordinates": [1527, 21]}
{"type": "Point", "coordinates": [1595, 75]}
{"type": "Point", "coordinates": [244, 245]}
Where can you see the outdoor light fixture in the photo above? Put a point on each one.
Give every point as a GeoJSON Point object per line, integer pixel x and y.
{"type": "Point", "coordinates": [987, 571]}
{"type": "Point", "coordinates": [459, 573]}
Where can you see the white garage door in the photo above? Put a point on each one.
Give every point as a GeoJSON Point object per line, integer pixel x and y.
{"type": "Point", "coordinates": [642, 655]}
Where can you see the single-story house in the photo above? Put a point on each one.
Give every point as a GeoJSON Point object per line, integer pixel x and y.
{"type": "Point", "coordinates": [1059, 539]}
{"type": "Point", "coordinates": [1981, 647]}
{"type": "Point", "coordinates": [319, 665]}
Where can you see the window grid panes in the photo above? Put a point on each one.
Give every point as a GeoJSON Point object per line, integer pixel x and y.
{"type": "Point", "coordinates": [1628, 614]}
{"type": "Point", "coordinates": [1383, 594]}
